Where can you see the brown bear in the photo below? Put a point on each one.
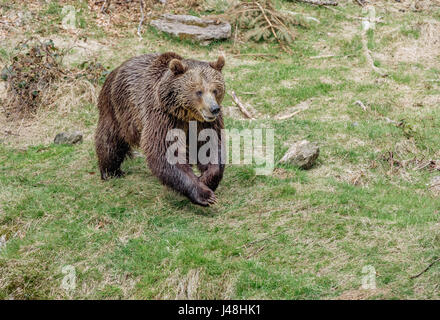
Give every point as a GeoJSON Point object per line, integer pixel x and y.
{"type": "Point", "coordinates": [149, 95]}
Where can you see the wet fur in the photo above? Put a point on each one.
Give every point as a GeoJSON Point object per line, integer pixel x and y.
{"type": "Point", "coordinates": [140, 102]}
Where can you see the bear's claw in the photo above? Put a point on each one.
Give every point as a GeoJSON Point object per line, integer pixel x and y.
{"type": "Point", "coordinates": [105, 175]}
{"type": "Point", "coordinates": [206, 197]}
{"type": "Point", "coordinates": [212, 199]}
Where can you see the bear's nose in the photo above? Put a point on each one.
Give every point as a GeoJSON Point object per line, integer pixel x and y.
{"type": "Point", "coordinates": [215, 109]}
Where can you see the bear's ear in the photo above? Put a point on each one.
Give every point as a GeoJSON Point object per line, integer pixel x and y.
{"type": "Point", "coordinates": [176, 66]}
{"type": "Point", "coordinates": [219, 64]}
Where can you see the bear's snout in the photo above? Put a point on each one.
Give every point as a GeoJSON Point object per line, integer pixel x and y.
{"type": "Point", "coordinates": [215, 109]}
{"type": "Point", "coordinates": [210, 109]}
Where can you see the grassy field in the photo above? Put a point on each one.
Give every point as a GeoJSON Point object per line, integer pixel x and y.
{"type": "Point", "coordinates": [296, 234]}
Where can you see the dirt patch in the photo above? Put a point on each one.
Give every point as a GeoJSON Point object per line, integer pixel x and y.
{"type": "Point", "coordinates": [80, 49]}
{"type": "Point", "coordinates": [431, 101]}
{"type": "Point", "coordinates": [405, 5]}
{"type": "Point", "coordinates": [289, 84]}
{"type": "Point", "coordinates": [425, 50]}
{"type": "Point", "coordinates": [348, 31]}
{"type": "Point", "coordinates": [361, 294]}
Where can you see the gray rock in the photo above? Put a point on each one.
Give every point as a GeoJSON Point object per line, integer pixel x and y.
{"type": "Point", "coordinates": [68, 138]}
{"type": "Point", "coordinates": [302, 154]}
{"type": "Point", "coordinates": [191, 27]}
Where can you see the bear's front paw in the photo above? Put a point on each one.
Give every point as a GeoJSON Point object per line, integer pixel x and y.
{"type": "Point", "coordinates": [118, 173]}
{"type": "Point", "coordinates": [205, 196]}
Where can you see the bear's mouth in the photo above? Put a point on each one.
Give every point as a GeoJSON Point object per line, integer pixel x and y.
{"type": "Point", "coordinates": [208, 117]}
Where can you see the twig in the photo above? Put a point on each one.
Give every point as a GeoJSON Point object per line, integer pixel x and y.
{"type": "Point", "coordinates": [427, 164]}
{"type": "Point", "coordinates": [287, 116]}
{"type": "Point", "coordinates": [360, 2]}
{"type": "Point", "coordinates": [388, 120]}
{"type": "Point", "coordinates": [255, 252]}
{"type": "Point", "coordinates": [320, 2]}
{"type": "Point", "coordinates": [324, 56]}
{"type": "Point", "coordinates": [330, 56]}
{"type": "Point", "coordinates": [105, 6]}
{"type": "Point", "coordinates": [141, 3]}
{"type": "Point", "coordinates": [365, 108]}
{"type": "Point", "coordinates": [241, 106]}
{"type": "Point", "coordinates": [423, 166]}
{"type": "Point", "coordinates": [361, 105]}
{"type": "Point", "coordinates": [271, 27]}
{"type": "Point", "coordinates": [285, 27]}
{"type": "Point", "coordinates": [426, 269]}
{"type": "Point", "coordinates": [254, 55]}
{"type": "Point", "coordinates": [307, 18]}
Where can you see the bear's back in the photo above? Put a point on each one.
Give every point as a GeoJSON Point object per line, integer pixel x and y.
{"type": "Point", "coordinates": [132, 94]}
{"type": "Point", "coordinates": [131, 81]}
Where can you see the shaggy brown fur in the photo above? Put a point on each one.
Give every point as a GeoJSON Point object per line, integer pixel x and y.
{"type": "Point", "coordinates": [149, 95]}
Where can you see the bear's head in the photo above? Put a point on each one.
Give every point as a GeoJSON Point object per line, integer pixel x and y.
{"type": "Point", "coordinates": [193, 90]}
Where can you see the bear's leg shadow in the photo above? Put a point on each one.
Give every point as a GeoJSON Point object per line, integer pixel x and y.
{"type": "Point", "coordinates": [110, 148]}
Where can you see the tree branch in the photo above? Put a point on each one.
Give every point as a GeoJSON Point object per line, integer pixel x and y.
{"type": "Point", "coordinates": [241, 106]}
{"type": "Point", "coordinates": [426, 269]}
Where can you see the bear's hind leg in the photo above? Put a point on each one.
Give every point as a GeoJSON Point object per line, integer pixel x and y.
{"type": "Point", "coordinates": [111, 150]}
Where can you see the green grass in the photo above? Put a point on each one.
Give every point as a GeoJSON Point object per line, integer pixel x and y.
{"type": "Point", "coordinates": [296, 234]}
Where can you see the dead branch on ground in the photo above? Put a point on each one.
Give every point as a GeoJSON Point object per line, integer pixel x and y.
{"type": "Point", "coordinates": [426, 269]}
{"type": "Point", "coordinates": [259, 20]}
{"type": "Point", "coordinates": [240, 105]}
{"type": "Point", "coordinates": [361, 105]}
{"type": "Point", "coordinates": [288, 116]}
{"type": "Point", "coordinates": [320, 2]}
{"type": "Point", "coordinates": [271, 27]}
{"type": "Point", "coordinates": [387, 120]}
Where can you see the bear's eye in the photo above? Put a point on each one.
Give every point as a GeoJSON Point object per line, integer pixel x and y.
{"type": "Point", "coordinates": [215, 92]}
{"type": "Point", "coordinates": [199, 93]}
